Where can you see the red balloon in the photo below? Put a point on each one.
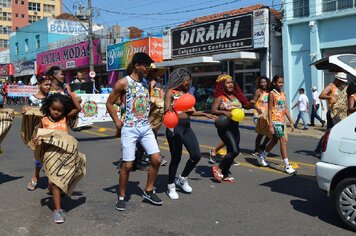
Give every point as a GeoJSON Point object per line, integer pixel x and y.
{"type": "Point", "coordinates": [184, 102]}
{"type": "Point", "coordinates": [170, 119]}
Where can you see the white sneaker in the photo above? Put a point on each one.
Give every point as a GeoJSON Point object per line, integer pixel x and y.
{"type": "Point", "coordinates": [182, 182]}
{"type": "Point", "coordinates": [289, 169]}
{"type": "Point", "coordinates": [172, 193]}
{"type": "Point", "coordinates": [262, 162]}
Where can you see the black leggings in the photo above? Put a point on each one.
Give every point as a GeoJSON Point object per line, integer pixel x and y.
{"type": "Point", "coordinates": [231, 138]}
{"type": "Point", "coordinates": [182, 134]}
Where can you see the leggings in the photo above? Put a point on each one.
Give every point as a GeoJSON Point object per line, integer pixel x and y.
{"type": "Point", "coordinates": [231, 137]}
{"type": "Point", "coordinates": [182, 134]}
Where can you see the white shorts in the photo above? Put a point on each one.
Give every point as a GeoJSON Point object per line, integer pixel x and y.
{"type": "Point", "coordinates": [131, 135]}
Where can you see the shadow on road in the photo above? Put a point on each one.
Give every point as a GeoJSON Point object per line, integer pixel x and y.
{"type": "Point", "coordinates": [310, 200]}
{"type": "Point", "coordinates": [132, 188]}
{"type": "Point", "coordinates": [306, 152]}
{"type": "Point", "coordinates": [95, 138]}
{"type": "Point", "coordinates": [67, 203]}
{"type": "Point", "coordinates": [7, 178]}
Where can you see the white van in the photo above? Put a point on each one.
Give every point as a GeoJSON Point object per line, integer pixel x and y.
{"type": "Point", "coordinates": [336, 172]}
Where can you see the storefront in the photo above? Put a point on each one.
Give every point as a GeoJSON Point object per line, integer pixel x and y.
{"type": "Point", "coordinates": [6, 71]}
{"type": "Point", "coordinates": [233, 43]}
{"type": "Point", "coordinates": [118, 56]}
{"type": "Point", "coordinates": [72, 59]}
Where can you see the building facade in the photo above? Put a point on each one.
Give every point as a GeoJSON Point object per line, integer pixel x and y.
{"type": "Point", "coordinates": [312, 30]}
{"type": "Point", "coordinates": [16, 14]}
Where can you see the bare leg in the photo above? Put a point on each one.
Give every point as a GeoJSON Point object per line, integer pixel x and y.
{"type": "Point", "coordinates": [265, 142]}
{"type": "Point", "coordinates": [124, 177]}
{"type": "Point", "coordinates": [153, 171]}
{"type": "Point", "coordinates": [271, 144]}
{"type": "Point", "coordinates": [258, 142]}
{"type": "Point", "coordinates": [283, 146]}
{"type": "Point", "coordinates": [56, 193]}
{"type": "Point", "coordinates": [219, 146]}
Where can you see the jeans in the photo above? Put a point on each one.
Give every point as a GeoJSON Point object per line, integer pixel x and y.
{"type": "Point", "coordinates": [314, 114]}
{"type": "Point", "coordinates": [301, 115]}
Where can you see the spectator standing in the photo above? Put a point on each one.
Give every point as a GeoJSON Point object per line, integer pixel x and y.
{"type": "Point", "coordinates": [303, 106]}
{"type": "Point", "coordinates": [315, 107]}
{"type": "Point", "coordinates": [78, 78]}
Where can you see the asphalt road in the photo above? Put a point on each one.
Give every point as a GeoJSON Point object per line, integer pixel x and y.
{"type": "Point", "coordinates": [263, 201]}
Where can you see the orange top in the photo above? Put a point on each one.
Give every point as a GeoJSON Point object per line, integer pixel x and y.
{"type": "Point", "coordinates": [279, 107]}
{"type": "Point", "coordinates": [334, 92]}
{"type": "Point", "coordinates": [228, 105]}
{"type": "Point", "coordinates": [59, 125]}
{"type": "Point", "coordinates": [262, 103]}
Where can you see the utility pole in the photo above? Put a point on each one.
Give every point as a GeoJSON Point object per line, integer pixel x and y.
{"type": "Point", "coordinates": [90, 36]}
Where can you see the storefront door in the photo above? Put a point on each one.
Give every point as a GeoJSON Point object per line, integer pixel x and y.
{"type": "Point", "coordinates": [245, 74]}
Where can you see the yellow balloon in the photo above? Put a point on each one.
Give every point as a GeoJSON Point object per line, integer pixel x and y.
{"type": "Point", "coordinates": [237, 115]}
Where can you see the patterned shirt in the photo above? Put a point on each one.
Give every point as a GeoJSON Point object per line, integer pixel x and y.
{"type": "Point", "coordinates": [35, 102]}
{"type": "Point", "coordinates": [262, 103]}
{"type": "Point", "coordinates": [59, 125]}
{"type": "Point", "coordinates": [279, 107]}
{"type": "Point", "coordinates": [229, 104]}
{"type": "Point", "coordinates": [137, 103]}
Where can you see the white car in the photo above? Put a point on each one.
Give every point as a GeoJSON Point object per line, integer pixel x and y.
{"type": "Point", "coordinates": [336, 172]}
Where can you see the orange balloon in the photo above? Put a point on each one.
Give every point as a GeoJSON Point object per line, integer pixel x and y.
{"type": "Point", "coordinates": [170, 119]}
{"type": "Point", "coordinates": [184, 102]}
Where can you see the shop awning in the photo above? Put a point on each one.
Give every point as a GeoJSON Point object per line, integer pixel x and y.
{"type": "Point", "coordinates": [186, 61]}
{"type": "Point", "coordinates": [236, 56]}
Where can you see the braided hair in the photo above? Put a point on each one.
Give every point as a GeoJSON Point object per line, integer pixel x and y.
{"type": "Point", "coordinates": [177, 77]}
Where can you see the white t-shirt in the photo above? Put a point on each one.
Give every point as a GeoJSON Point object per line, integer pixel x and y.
{"type": "Point", "coordinates": [303, 100]}
{"type": "Point", "coordinates": [316, 98]}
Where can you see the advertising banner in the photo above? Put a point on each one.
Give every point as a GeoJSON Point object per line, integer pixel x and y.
{"type": "Point", "coordinates": [260, 28]}
{"type": "Point", "coordinates": [118, 56]}
{"type": "Point", "coordinates": [72, 56]}
{"type": "Point", "coordinates": [94, 109]}
{"type": "Point", "coordinates": [69, 27]}
{"type": "Point", "coordinates": [225, 34]}
{"type": "Point", "coordinates": [21, 90]}
{"type": "Point", "coordinates": [25, 68]}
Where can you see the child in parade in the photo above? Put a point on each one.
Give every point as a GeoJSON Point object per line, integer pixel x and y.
{"type": "Point", "coordinates": [135, 127]}
{"type": "Point", "coordinates": [260, 100]}
{"type": "Point", "coordinates": [57, 110]}
{"type": "Point", "coordinates": [36, 100]}
{"type": "Point", "coordinates": [277, 111]}
{"type": "Point", "coordinates": [228, 96]}
{"type": "Point", "coordinates": [179, 84]}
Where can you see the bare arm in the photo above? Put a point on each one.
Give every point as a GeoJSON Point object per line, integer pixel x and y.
{"type": "Point", "coordinates": [325, 94]}
{"type": "Point", "coordinates": [270, 107]}
{"type": "Point", "coordinates": [119, 88]}
{"type": "Point", "coordinates": [215, 108]}
{"type": "Point", "coordinates": [77, 108]}
{"type": "Point", "coordinates": [351, 105]}
{"type": "Point", "coordinates": [168, 96]}
{"type": "Point", "coordinates": [254, 99]}
{"type": "Point", "coordinates": [297, 103]}
{"type": "Point", "coordinates": [289, 117]}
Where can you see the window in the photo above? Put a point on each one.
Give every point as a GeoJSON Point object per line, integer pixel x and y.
{"type": "Point", "coordinates": [16, 2]}
{"type": "Point", "coordinates": [33, 6]}
{"type": "Point", "coordinates": [22, 2]}
{"type": "Point", "coordinates": [17, 48]}
{"type": "Point", "coordinates": [38, 43]}
{"type": "Point", "coordinates": [5, 30]}
{"type": "Point", "coordinates": [17, 28]}
{"type": "Point", "coordinates": [300, 8]}
{"type": "Point", "coordinates": [22, 15]}
{"type": "Point", "coordinates": [48, 8]}
{"type": "Point", "coordinates": [4, 43]}
{"type": "Point", "coordinates": [5, 16]}
{"type": "Point", "coordinates": [16, 15]}
{"type": "Point", "coordinates": [32, 19]}
{"type": "Point", "coordinates": [26, 45]}
{"type": "Point", "coordinates": [5, 3]}
{"type": "Point", "coordinates": [335, 5]}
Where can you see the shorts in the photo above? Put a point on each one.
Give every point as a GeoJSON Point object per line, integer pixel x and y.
{"type": "Point", "coordinates": [278, 130]}
{"type": "Point", "coordinates": [131, 135]}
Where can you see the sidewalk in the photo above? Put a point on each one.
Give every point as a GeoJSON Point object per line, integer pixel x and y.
{"type": "Point", "coordinates": [315, 132]}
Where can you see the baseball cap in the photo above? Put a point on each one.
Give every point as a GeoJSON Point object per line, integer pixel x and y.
{"type": "Point", "coordinates": [141, 58]}
{"type": "Point", "coordinates": [314, 88]}
{"type": "Point", "coordinates": [341, 76]}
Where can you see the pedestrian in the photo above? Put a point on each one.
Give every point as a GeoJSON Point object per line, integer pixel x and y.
{"type": "Point", "coordinates": [303, 107]}
{"type": "Point", "coordinates": [315, 107]}
{"type": "Point", "coordinates": [135, 126]}
{"type": "Point", "coordinates": [78, 78]}
{"type": "Point", "coordinates": [260, 101]}
{"type": "Point", "coordinates": [228, 96]}
{"type": "Point", "coordinates": [331, 93]}
{"type": "Point", "coordinates": [178, 85]}
{"type": "Point", "coordinates": [36, 100]}
{"type": "Point", "coordinates": [277, 111]}
{"type": "Point", "coordinates": [57, 110]}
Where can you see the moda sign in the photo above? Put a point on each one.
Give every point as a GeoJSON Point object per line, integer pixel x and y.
{"type": "Point", "coordinates": [220, 35]}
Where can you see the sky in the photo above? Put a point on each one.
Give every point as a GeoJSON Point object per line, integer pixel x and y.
{"type": "Point", "coordinates": [154, 15]}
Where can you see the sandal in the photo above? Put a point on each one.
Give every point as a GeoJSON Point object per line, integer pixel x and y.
{"type": "Point", "coordinates": [211, 157]}
{"type": "Point", "coordinates": [230, 180]}
{"type": "Point", "coordinates": [216, 173]}
{"type": "Point", "coordinates": [31, 185]}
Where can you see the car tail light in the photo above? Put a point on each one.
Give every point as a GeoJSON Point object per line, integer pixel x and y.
{"type": "Point", "coordinates": [324, 141]}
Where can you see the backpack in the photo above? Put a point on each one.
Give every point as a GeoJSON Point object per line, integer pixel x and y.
{"type": "Point", "coordinates": [339, 110]}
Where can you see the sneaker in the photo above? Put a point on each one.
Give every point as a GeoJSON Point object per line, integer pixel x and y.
{"type": "Point", "coordinates": [263, 162]}
{"type": "Point", "coordinates": [211, 158]}
{"type": "Point", "coordinates": [256, 154]}
{"type": "Point", "coordinates": [58, 216]}
{"type": "Point", "coordinates": [172, 193]}
{"type": "Point", "coordinates": [323, 123]}
{"type": "Point", "coordinates": [163, 162]}
{"type": "Point", "coordinates": [152, 197]}
{"type": "Point", "coordinates": [120, 205]}
{"type": "Point", "coordinates": [182, 182]}
{"type": "Point", "coordinates": [289, 169]}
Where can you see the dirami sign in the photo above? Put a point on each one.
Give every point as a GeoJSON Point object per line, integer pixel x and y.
{"type": "Point", "coordinates": [72, 56]}
{"type": "Point", "coordinates": [118, 56]}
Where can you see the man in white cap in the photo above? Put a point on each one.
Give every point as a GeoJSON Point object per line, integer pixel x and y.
{"type": "Point", "coordinates": [315, 108]}
{"type": "Point", "coordinates": [331, 92]}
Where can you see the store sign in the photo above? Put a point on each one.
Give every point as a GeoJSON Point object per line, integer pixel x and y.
{"type": "Point", "coordinates": [69, 57]}
{"type": "Point", "coordinates": [24, 68]}
{"type": "Point", "coordinates": [3, 70]}
{"type": "Point", "coordinates": [220, 35]}
{"type": "Point", "coordinates": [68, 27]}
{"type": "Point", "coordinates": [118, 56]}
{"type": "Point", "coordinates": [260, 28]}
